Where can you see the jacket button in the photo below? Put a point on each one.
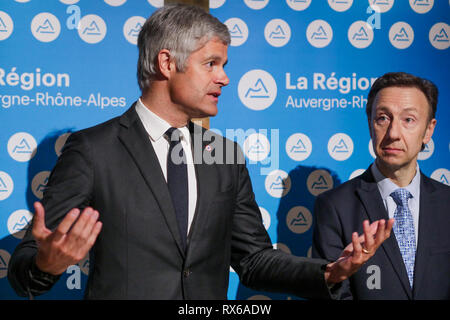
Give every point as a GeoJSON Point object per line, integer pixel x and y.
{"type": "Point", "coordinates": [187, 273]}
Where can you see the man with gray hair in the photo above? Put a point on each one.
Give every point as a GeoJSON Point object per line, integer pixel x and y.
{"type": "Point", "coordinates": [157, 220]}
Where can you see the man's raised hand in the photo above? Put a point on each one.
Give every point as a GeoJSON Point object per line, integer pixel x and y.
{"type": "Point", "coordinates": [69, 243]}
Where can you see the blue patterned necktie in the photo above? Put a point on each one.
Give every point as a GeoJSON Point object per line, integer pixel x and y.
{"type": "Point", "coordinates": [404, 230]}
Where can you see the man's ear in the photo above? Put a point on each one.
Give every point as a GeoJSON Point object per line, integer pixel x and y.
{"type": "Point", "coordinates": [166, 64]}
{"type": "Point", "coordinates": [429, 131]}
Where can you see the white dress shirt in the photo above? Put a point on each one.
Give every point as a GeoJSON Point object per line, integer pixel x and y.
{"type": "Point", "coordinates": [156, 127]}
{"type": "Point", "coordinates": [386, 187]}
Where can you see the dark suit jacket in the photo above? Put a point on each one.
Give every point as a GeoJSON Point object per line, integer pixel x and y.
{"type": "Point", "coordinates": [341, 211]}
{"type": "Point", "coordinates": [138, 254]}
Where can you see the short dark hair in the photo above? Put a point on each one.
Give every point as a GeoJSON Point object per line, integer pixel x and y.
{"type": "Point", "coordinates": [406, 80]}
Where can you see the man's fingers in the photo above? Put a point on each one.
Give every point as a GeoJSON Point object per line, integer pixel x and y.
{"type": "Point", "coordinates": [39, 229]}
{"type": "Point", "coordinates": [90, 223]}
{"type": "Point", "coordinates": [357, 248]}
{"type": "Point", "coordinates": [368, 235]}
{"type": "Point", "coordinates": [95, 232]}
{"type": "Point", "coordinates": [82, 223]}
{"type": "Point", "coordinates": [66, 224]}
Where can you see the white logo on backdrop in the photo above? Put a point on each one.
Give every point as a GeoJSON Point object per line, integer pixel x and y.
{"type": "Point", "coordinates": [442, 175]}
{"type": "Point", "coordinates": [92, 29]}
{"type": "Point", "coordinates": [45, 27]}
{"type": "Point", "coordinates": [381, 5]}
{"type": "Point", "coordinates": [298, 5]}
{"type": "Point", "coordinates": [22, 146]}
{"type": "Point", "coordinates": [360, 34]}
{"type": "Point", "coordinates": [214, 4]}
{"type": "Point", "coordinates": [132, 27]}
{"type": "Point", "coordinates": [356, 173]}
{"type": "Point", "coordinates": [371, 151]}
{"type": "Point", "coordinates": [256, 147]}
{"type": "Point", "coordinates": [115, 3]}
{"type": "Point", "coordinates": [439, 36]}
{"type": "Point", "coordinates": [319, 33]}
{"type": "Point", "coordinates": [278, 183]}
{"type": "Point", "coordinates": [298, 147]}
{"type": "Point", "coordinates": [256, 4]}
{"type": "Point", "coordinates": [277, 32]}
{"type": "Point", "coordinates": [70, 1]}
{"type": "Point", "coordinates": [6, 185]}
{"type": "Point", "coordinates": [401, 35]}
{"type": "Point", "coordinates": [427, 151]}
{"type": "Point", "coordinates": [299, 219]}
{"type": "Point", "coordinates": [156, 3]}
{"type": "Point", "coordinates": [4, 262]}
{"type": "Point", "coordinates": [340, 5]}
{"type": "Point", "coordinates": [18, 223]}
{"type": "Point", "coordinates": [421, 6]}
{"type": "Point", "coordinates": [6, 25]}
{"type": "Point", "coordinates": [319, 181]}
{"type": "Point", "coordinates": [265, 215]}
{"type": "Point", "coordinates": [59, 144]}
{"type": "Point", "coordinates": [39, 183]}
{"type": "Point", "coordinates": [257, 89]}
{"type": "Point", "coordinates": [238, 31]}
{"type": "Point", "coordinates": [340, 146]}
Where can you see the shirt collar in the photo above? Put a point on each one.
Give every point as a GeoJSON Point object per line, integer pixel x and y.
{"type": "Point", "coordinates": [386, 186]}
{"type": "Point", "coordinates": [155, 125]}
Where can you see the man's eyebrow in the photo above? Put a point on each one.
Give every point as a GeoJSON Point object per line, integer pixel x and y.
{"type": "Point", "coordinates": [216, 58]}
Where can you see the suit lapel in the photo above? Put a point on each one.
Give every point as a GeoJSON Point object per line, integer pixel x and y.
{"type": "Point", "coordinates": [135, 139]}
{"type": "Point", "coordinates": [428, 205]}
{"type": "Point", "coordinates": [373, 203]}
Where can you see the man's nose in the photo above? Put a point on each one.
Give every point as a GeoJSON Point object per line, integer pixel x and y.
{"type": "Point", "coordinates": [222, 78]}
{"type": "Point", "coordinates": [394, 129]}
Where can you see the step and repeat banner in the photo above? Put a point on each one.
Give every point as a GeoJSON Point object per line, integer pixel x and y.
{"type": "Point", "coordinates": [300, 72]}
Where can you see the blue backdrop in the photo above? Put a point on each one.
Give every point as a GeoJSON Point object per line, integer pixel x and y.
{"type": "Point", "coordinates": [300, 73]}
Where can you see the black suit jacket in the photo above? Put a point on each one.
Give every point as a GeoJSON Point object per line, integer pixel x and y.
{"type": "Point", "coordinates": [341, 211]}
{"type": "Point", "coordinates": [138, 254]}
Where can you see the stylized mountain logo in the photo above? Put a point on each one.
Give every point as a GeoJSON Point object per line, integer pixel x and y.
{"type": "Point", "coordinates": [320, 34]}
{"type": "Point", "coordinates": [442, 36]}
{"type": "Point", "coordinates": [320, 184]}
{"type": "Point", "coordinates": [3, 27]}
{"type": "Point", "coordinates": [92, 29]}
{"type": "Point", "coordinates": [236, 32]}
{"type": "Point", "coordinates": [340, 147]}
{"type": "Point", "coordinates": [134, 32]}
{"type": "Point", "coordinates": [3, 265]}
{"type": "Point", "coordinates": [300, 220]}
{"type": "Point", "coordinates": [257, 147]}
{"type": "Point", "coordinates": [444, 179]}
{"type": "Point", "coordinates": [278, 33]}
{"type": "Point", "coordinates": [402, 35]}
{"type": "Point", "coordinates": [3, 187]}
{"type": "Point", "coordinates": [421, 3]}
{"type": "Point", "coordinates": [46, 27]}
{"type": "Point", "coordinates": [21, 224]}
{"type": "Point", "coordinates": [278, 184]}
{"type": "Point", "coordinates": [22, 147]}
{"type": "Point", "coordinates": [299, 147]}
{"type": "Point", "coordinates": [361, 35]}
{"type": "Point", "coordinates": [259, 90]}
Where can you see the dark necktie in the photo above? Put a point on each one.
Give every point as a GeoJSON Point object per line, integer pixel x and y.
{"type": "Point", "coordinates": [177, 181]}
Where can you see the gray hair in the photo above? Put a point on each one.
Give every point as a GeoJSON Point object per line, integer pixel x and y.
{"type": "Point", "coordinates": [181, 29]}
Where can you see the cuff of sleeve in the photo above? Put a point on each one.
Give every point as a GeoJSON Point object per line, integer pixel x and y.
{"type": "Point", "coordinates": [40, 281]}
{"type": "Point", "coordinates": [334, 289]}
